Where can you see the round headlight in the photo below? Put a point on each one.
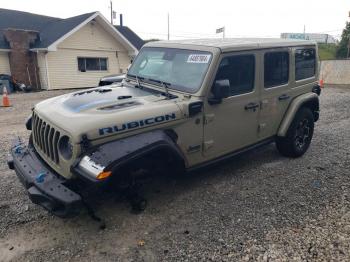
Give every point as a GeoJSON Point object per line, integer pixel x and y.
{"type": "Point", "coordinates": [65, 147]}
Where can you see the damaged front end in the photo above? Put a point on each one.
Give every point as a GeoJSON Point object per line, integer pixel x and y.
{"type": "Point", "coordinates": [43, 185]}
{"type": "Point", "coordinates": [74, 148]}
{"type": "Point", "coordinates": [92, 169]}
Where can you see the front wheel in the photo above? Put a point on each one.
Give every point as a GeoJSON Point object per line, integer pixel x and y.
{"type": "Point", "coordinates": [299, 135]}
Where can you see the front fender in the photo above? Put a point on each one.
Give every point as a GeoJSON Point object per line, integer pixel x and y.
{"type": "Point", "coordinates": [113, 155]}
{"type": "Point", "coordinates": [293, 108]}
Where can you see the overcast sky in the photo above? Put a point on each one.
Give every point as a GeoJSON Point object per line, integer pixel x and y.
{"type": "Point", "coordinates": [199, 19]}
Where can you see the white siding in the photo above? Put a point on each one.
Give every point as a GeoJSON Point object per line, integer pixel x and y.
{"type": "Point", "coordinates": [4, 63]}
{"type": "Point", "coordinates": [90, 41]}
{"type": "Point", "coordinates": [64, 73]}
{"type": "Point", "coordinates": [92, 37]}
{"type": "Point", "coordinates": [124, 60]}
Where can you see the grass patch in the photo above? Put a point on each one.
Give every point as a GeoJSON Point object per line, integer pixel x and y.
{"type": "Point", "coordinates": [327, 51]}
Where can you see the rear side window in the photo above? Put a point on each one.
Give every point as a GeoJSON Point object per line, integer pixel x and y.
{"type": "Point", "coordinates": [276, 69]}
{"type": "Point", "coordinates": [240, 71]}
{"type": "Point", "coordinates": [305, 63]}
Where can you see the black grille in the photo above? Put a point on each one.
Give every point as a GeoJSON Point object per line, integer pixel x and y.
{"type": "Point", "coordinates": [46, 138]}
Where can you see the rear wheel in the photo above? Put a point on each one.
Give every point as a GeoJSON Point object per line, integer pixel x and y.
{"type": "Point", "coordinates": [299, 135]}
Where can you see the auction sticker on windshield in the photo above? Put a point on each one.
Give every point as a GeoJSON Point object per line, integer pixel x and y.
{"type": "Point", "coordinates": [198, 58]}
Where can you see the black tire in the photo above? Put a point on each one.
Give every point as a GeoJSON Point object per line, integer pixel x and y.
{"type": "Point", "coordinates": [299, 135]}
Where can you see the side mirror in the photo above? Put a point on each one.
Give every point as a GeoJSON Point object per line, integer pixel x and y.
{"type": "Point", "coordinates": [220, 90]}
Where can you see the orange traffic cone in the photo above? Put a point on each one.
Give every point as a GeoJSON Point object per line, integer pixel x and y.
{"type": "Point", "coordinates": [321, 83]}
{"type": "Point", "coordinates": [5, 98]}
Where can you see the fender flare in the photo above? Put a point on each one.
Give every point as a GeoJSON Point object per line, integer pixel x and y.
{"type": "Point", "coordinates": [112, 155]}
{"type": "Point", "coordinates": [293, 108]}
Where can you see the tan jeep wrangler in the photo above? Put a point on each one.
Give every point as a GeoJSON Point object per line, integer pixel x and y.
{"type": "Point", "coordinates": [183, 105]}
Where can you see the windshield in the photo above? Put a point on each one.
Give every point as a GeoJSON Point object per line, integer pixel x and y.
{"type": "Point", "coordinates": [180, 69]}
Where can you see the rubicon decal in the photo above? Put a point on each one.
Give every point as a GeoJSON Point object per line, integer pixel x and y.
{"type": "Point", "coordinates": [136, 124]}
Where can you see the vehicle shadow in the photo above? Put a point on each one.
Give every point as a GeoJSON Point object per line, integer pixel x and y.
{"type": "Point", "coordinates": [260, 187]}
{"type": "Point", "coordinates": [236, 174]}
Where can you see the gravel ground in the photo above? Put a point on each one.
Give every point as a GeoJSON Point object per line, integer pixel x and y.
{"type": "Point", "coordinates": [259, 206]}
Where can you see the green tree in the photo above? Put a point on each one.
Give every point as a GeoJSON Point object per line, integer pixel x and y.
{"type": "Point", "coordinates": [342, 50]}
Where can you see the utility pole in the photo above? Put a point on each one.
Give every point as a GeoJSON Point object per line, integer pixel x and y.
{"type": "Point", "coordinates": [304, 33]}
{"type": "Point", "coordinates": [111, 12]}
{"type": "Point", "coordinates": [168, 28]}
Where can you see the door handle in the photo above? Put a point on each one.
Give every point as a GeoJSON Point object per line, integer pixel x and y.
{"type": "Point", "coordinates": [251, 106]}
{"type": "Point", "coordinates": [283, 97]}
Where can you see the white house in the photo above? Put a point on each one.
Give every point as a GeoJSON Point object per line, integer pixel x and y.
{"type": "Point", "coordinates": [54, 53]}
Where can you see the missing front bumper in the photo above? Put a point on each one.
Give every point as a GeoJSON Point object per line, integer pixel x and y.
{"type": "Point", "coordinates": [44, 186]}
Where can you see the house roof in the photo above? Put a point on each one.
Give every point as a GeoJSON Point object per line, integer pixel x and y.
{"type": "Point", "coordinates": [49, 28]}
{"type": "Point", "coordinates": [52, 32]}
{"type": "Point", "coordinates": [52, 29]}
{"type": "Point", "coordinates": [133, 38]}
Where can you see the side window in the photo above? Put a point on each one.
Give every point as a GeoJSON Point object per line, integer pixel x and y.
{"type": "Point", "coordinates": [305, 63]}
{"type": "Point", "coordinates": [276, 69]}
{"type": "Point", "coordinates": [240, 71]}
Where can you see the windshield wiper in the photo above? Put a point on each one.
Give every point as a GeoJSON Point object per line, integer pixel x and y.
{"type": "Point", "coordinates": [138, 81]}
{"type": "Point", "coordinates": [163, 84]}
{"type": "Point", "coordinates": [137, 78]}
{"type": "Point", "coordinates": [166, 86]}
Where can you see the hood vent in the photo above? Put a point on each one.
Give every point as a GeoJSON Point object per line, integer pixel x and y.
{"type": "Point", "coordinates": [120, 106]}
{"type": "Point", "coordinates": [124, 97]}
{"type": "Point", "coordinates": [101, 91]}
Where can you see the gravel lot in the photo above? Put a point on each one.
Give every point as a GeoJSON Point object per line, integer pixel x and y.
{"type": "Point", "coordinates": [259, 206]}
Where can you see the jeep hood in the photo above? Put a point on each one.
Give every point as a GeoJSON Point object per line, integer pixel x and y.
{"type": "Point", "coordinates": [105, 111]}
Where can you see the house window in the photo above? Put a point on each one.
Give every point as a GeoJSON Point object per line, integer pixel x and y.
{"type": "Point", "coordinates": [92, 64]}
{"type": "Point", "coordinates": [305, 63]}
{"type": "Point", "coordinates": [276, 69]}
